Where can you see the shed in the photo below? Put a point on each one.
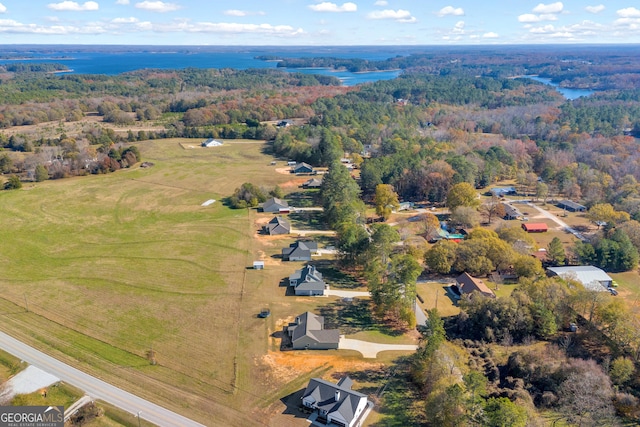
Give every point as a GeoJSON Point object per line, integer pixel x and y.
{"type": "Point", "coordinates": [211, 143]}
{"type": "Point", "coordinates": [535, 227]}
{"type": "Point", "coordinates": [592, 278]}
{"type": "Point", "coordinates": [258, 265]}
{"type": "Point", "coordinates": [571, 206]}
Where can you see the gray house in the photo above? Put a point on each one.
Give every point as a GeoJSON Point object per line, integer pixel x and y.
{"type": "Point", "coordinates": [592, 278]}
{"type": "Point", "coordinates": [277, 225]}
{"type": "Point", "coordinates": [510, 212]}
{"type": "Point", "coordinates": [302, 168]}
{"type": "Point", "coordinates": [335, 404]}
{"type": "Point", "coordinates": [275, 205]}
{"type": "Point", "coordinates": [308, 333]}
{"type": "Point", "coordinates": [300, 251]}
{"type": "Point", "coordinates": [307, 281]}
{"type": "Point", "coordinates": [312, 183]}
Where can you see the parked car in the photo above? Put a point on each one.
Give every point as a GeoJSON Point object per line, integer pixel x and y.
{"type": "Point", "coordinates": [613, 291]}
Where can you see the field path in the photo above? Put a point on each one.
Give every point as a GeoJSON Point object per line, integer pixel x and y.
{"type": "Point", "coordinates": [94, 387]}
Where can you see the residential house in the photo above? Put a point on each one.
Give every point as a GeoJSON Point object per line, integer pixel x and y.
{"type": "Point", "coordinates": [302, 250]}
{"type": "Point", "coordinates": [335, 404]}
{"type": "Point", "coordinates": [211, 143]}
{"type": "Point", "coordinates": [467, 284]}
{"type": "Point", "coordinates": [312, 183]}
{"type": "Point", "coordinates": [503, 191]}
{"type": "Point", "coordinates": [592, 278]}
{"type": "Point", "coordinates": [277, 225]}
{"type": "Point", "coordinates": [302, 168]}
{"type": "Point", "coordinates": [511, 212]}
{"type": "Point", "coordinates": [307, 281]}
{"type": "Point", "coordinates": [283, 124]}
{"type": "Point", "coordinates": [535, 227]}
{"type": "Point", "coordinates": [571, 206]}
{"type": "Point", "coordinates": [307, 332]}
{"type": "Point", "coordinates": [275, 205]}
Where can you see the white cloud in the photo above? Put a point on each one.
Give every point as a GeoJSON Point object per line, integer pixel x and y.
{"type": "Point", "coordinates": [236, 12]}
{"type": "Point", "coordinates": [549, 8]}
{"type": "Point", "coordinates": [122, 2]}
{"type": "Point", "coordinates": [458, 28]}
{"type": "Point", "coordinates": [332, 7]}
{"type": "Point", "coordinates": [74, 6]}
{"type": "Point", "coordinates": [157, 6]}
{"type": "Point", "coordinates": [528, 17]}
{"type": "Point", "coordinates": [130, 20]}
{"type": "Point", "coordinates": [595, 9]}
{"type": "Point", "coordinates": [3, 8]}
{"type": "Point", "coordinates": [629, 12]}
{"type": "Point", "coordinates": [381, 3]}
{"type": "Point", "coordinates": [399, 15]}
{"type": "Point", "coordinates": [450, 10]}
{"type": "Point", "coordinates": [490, 35]}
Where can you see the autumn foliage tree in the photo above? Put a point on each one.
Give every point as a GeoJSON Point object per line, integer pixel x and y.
{"type": "Point", "coordinates": [386, 200]}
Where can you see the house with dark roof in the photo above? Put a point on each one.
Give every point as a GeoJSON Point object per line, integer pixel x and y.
{"type": "Point", "coordinates": [503, 191]}
{"type": "Point", "coordinates": [275, 205]}
{"type": "Point", "coordinates": [312, 183]}
{"type": "Point", "coordinates": [307, 332]}
{"type": "Point", "coordinates": [277, 225]}
{"type": "Point", "coordinates": [511, 212]}
{"type": "Point", "coordinates": [335, 404]}
{"type": "Point", "coordinates": [535, 227]}
{"type": "Point", "coordinates": [467, 284]}
{"type": "Point", "coordinates": [303, 167]}
{"type": "Point", "coordinates": [307, 281]}
{"type": "Point", "coordinates": [592, 278]}
{"type": "Point", "coordinates": [571, 206]}
{"type": "Point", "coordinates": [301, 250]}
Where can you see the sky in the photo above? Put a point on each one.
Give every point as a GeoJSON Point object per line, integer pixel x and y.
{"type": "Point", "coordinates": [318, 22]}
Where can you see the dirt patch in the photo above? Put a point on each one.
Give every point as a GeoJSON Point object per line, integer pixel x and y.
{"type": "Point", "coordinates": [284, 171]}
{"type": "Point", "coordinates": [294, 183]}
{"type": "Point", "coordinates": [262, 256]}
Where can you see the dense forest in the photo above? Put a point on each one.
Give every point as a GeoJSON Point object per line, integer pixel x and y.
{"type": "Point", "coordinates": [452, 124]}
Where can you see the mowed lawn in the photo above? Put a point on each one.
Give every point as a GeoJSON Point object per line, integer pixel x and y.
{"type": "Point", "coordinates": [112, 266]}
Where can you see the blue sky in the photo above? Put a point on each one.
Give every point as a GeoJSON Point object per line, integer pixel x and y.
{"type": "Point", "coordinates": [318, 22]}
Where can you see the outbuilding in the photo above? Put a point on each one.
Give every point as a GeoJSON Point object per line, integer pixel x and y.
{"type": "Point", "coordinates": [535, 227]}
{"type": "Point", "coordinates": [571, 206]}
{"type": "Point", "coordinates": [592, 278]}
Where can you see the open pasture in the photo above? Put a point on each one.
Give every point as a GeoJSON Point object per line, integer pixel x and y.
{"type": "Point", "coordinates": [114, 267]}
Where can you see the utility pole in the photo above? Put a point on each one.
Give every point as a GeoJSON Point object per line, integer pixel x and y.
{"type": "Point", "coordinates": [26, 304]}
{"type": "Point", "coordinates": [139, 418]}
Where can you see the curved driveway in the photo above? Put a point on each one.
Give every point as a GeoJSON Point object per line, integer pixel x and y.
{"type": "Point", "coordinates": [94, 387]}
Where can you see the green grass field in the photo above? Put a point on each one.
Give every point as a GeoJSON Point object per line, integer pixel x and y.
{"type": "Point", "coordinates": [112, 266]}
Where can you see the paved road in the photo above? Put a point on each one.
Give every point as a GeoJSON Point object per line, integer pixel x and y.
{"type": "Point", "coordinates": [94, 387]}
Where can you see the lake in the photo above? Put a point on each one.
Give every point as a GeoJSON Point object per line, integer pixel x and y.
{"type": "Point", "coordinates": [121, 59]}
{"type": "Point", "coordinates": [568, 93]}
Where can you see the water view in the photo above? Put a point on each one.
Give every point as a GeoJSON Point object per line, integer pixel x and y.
{"type": "Point", "coordinates": [568, 93]}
